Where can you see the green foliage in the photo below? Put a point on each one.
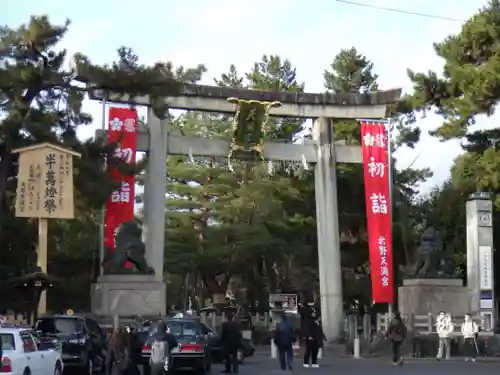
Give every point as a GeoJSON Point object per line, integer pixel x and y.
{"type": "Point", "coordinates": [222, 221]}
{"type": "Point", "coordinates": [350, 72]}
{"type": "Point", "coordinates": [40, 102]}
{"type": "Point", "coordinates": [444, 209]}
{"type": "Point", "coordinates": [468, 86]}
{"type": "Point", "coordinates": [245, 222]}
{"type": "Point", "coordinates": [235, 221]}
{"type": "Point", "coordinates": [275, 74]}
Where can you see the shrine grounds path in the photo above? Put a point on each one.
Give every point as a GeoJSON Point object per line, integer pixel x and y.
{"type": "Point", "coordinates": [261, 365]}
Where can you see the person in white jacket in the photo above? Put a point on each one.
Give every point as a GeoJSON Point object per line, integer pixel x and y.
{"type": "Point", "coordinates": [469, 331]}
{"type": "Point", "coordinates": [444, 329]}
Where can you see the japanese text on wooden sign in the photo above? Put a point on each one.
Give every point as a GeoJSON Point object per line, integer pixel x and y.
{"type": "Point", "coordinates": [45, 183]}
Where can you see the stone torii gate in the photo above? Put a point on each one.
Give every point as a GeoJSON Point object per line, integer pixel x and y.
{"type": "Point", "coordinates": [322, 152]}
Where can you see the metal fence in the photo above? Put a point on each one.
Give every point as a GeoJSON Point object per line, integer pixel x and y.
{"type": "Point", "coordinates": [362, 326]}
{"type": "Point", "coordinates": [367, 326]}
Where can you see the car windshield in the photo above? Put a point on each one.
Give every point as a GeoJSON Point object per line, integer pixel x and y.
{"type": "Point", "coordinates": [181, 328]}
{"type": "Point", "coordinates": [64, 326]}
{"type": "Point", "coordinates": [8, 342]}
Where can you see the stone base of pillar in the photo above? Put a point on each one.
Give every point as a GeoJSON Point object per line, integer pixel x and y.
{"type": "Point", "coordinates": [128, 295]}
{"type": "Point", "coordinates": [423, 296]}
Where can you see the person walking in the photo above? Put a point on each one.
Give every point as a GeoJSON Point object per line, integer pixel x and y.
{"type": "Point", "coordinates": [444, 329]}
{"type": "Point", "coordinates": [135, 350]}
{"type": "Point", "coordinates": [231, 341]}
{"type": "Point", "coordinates": [469, 332]}
{"type": "Point", "coordinates": [162, 345]}
{"type": "Point", "coordinates": [284, 339]}
{"type": "Point", "coordinates": [118, 359]}
{"type": "Point", "coordinates": [314, 338]}
{"type": "Point", "coordinates": [396, 332]}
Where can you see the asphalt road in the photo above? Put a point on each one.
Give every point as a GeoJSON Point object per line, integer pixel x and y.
{"type": "Point", "coordinates": [346, 366]}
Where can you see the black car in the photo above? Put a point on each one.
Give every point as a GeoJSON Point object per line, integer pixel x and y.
{"type": "Point", "coordinates": [193, 351]}
{"type": "Point", "coordinates": [83, 341]}
{"type": "Point", "coordinates": [210, 337]}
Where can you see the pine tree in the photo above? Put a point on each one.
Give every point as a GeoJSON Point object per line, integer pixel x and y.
{"type": "Point", "coordinates": [353, 72]}
{"type": "Point", "coordinates": [274, 74]}
{"type": "Point", "coordinates": [350, 72]}
{"type": "Point", "coordinates": [286, 262]}
{"type": "Point", "coordinates": [226, 212]}
{"type": "Point", "coordinates": [41, 101]}
{"type": "Point", "coordinates": [468, 86]}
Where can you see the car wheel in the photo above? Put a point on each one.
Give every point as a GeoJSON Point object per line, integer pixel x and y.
{"type": "Point", "coordinates": [57, 369]}
{"type": "Point", "coordinates": [240, 355]}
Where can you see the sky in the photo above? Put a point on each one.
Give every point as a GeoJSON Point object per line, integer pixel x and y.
{"type": "Point", "coordinates": [219, 33]}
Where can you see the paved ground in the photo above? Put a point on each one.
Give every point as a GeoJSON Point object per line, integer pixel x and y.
{"type": "Point", "coordinates": [346, 366]}
{"type": "Point", "coordinates": [262, 365]}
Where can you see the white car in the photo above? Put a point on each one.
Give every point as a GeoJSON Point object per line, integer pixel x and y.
{"type": "Point", "coordinates": [25, 354]}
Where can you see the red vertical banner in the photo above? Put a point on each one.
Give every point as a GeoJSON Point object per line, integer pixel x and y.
{"type": "Point", "coordinates": [377, 194]}
{"type": "Point", "coordinates": [122, 128]}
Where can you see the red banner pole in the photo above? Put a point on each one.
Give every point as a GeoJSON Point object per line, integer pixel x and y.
{"type": "Point", "coordinates": [103, 209]}
{"type": "Point", "coordinates": [390, 178]}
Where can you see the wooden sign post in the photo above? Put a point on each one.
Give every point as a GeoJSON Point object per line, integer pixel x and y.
{"type": "Point", "coordinates": [45, 191]}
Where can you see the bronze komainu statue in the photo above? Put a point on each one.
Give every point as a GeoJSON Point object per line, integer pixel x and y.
{"type": "Point", "coordinates": [128, 247]}
{"type": "Point", "coordinates": [432, 261]}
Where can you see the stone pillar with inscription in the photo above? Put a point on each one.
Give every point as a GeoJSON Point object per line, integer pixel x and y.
{"type": "Point", "coordinates": [480, 278]}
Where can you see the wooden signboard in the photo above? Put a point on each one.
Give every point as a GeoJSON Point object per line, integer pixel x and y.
{"type": "Point", "coordinates": [45, 191]}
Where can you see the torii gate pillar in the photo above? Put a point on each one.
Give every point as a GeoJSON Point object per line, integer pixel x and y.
{"type": "Point", "coordinates": [154, 194]}
{"type": "Point", "coordinates": [327, 221]}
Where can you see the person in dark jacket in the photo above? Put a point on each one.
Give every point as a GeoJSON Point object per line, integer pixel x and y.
{"type": "Point", "coordinates": [314, 338]}
{"type": "Point", "coordinates": [119, 357]}
{"type": "Point", "coordinates": [230, 339]}
{"type": "Point", "coordinates": [135, 350]}
{"type": "Point", "coordinates": [396, 332]}
{"type": "Point", "coordinates": [284, 339]}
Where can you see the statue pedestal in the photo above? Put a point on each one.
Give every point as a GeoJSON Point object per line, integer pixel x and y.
{"type": "Point", "coordinates": [423, 296]}
{"type": "Point", "coordinates": [128, 295]}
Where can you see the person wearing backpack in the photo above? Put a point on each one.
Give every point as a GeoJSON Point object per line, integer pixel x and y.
{"type": "Point", "coordinates": [162, 345]}
{"type": "Point", "coordinates": [119, 360]}
{"type": "Point", "coordinates": [284, 339]}
{"type": "Point", "coordinates": [470, 331]}
{"type": "Point", "coordinates": [444, 329]}
{"type": "Point", "coordinates": [396, 332]}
